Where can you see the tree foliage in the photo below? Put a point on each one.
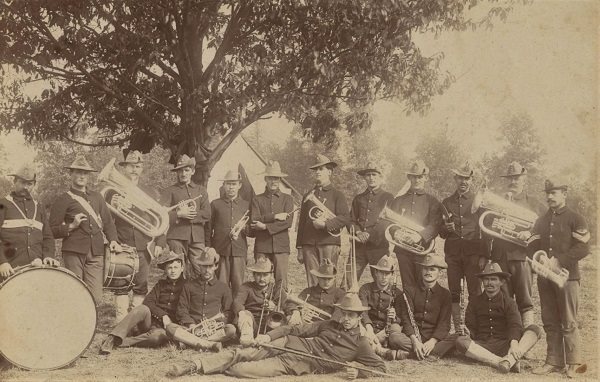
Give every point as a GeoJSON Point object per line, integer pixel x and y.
{"type": "Point", "coordinates": [190, 75]}
{"type": "Point", "coordinates": [5, 183]}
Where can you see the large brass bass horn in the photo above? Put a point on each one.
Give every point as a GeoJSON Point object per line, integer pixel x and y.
{"type": "Point", "coordinates": [406, 227]}
{"type": "Point", "coordinates": [509, 218]}
{"type": "Point", "coordinates": [131, 204]}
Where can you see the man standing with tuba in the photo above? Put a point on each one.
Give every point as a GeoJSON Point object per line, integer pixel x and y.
{"type": "Point", "coordinates": [270, 214]}
{"type": "Point", "coordinates": [364, 213]}
{"type": "Point", "coordinates": [563, 234]}
{"type": "Point", "coordinates": [511, 257]}
{"type": "Point", "coordinates": [324, 213]}
{"type": "Point", "coordinates": [227, 216]}
{"type": "Point", "coordinates": [128, 234]}
{"type": "Point", "coordinates": [186, 232]}
{"type": "Point", "coordinates": [81, 218]}
{"type": "Point", "coordinates": [422, 209]}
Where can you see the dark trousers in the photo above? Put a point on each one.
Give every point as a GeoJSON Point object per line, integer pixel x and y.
{"type": "Point", "coordinates": [231, 271]}
{"type": "Point", "coordinates": [313, 257]}
{"type": "Point", "coordinates": [88, 268]}
{"type": "Point", "coordinates": [520, 284]}
{"type": "Point", "coordinates": [439, 350]}
{"type": "Point", "coordinates": [191, 251]}
{"type": "Point", "coordinates": [410, 271]}
{"type": "Point", "coordinates": [365, 256]}
{"type": "Point", "coordinates": [150, 336]}
{"type": "Point", "coordinates": [460, 266]}
{"type": "Point", "coordinates": [280, 264]}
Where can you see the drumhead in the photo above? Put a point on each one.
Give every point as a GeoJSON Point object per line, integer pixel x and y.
{"type": "Point", "coordinates": [48, 318]}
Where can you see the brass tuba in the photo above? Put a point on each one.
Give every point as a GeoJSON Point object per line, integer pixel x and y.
{"type": "Point", "coordinates": [127, 201]}
{"type": "Point", "coordinates": [320, 211]}
{"type": "Point", "coordinates": [509, 218]}
{"type": "Point", "coordinates": [540, 265]}
{"type": "Point", "coordinates": [208, 326]}
{"type": "Point", "coordinates": [406, 227]}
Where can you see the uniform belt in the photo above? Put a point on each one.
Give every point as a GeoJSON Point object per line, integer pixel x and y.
{"type": "Point", "coordinates": [19, 223]}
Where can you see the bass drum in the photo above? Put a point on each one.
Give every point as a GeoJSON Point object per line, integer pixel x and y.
{"type": "Point", "coordinates": [48, 318]}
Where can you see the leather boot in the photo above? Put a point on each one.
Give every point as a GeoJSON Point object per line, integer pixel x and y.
{"type": "Point", "coordinates": [527, 318]}
{"type": "Point", "coordinates": [184, 368]}
{"type": "Point", "coordinates": [526, 342]}
{"type": "Point", "coordinates": [483, 355]}
{"type": "Point", "coordinates": [198, 343]}
{"type": "Point", "coordinates": [122, 306]}
{"type": "Point", "coordinates": [456, 317]}
{"type": "Point", "coordinates": [107, 345]}
{"type": "Point", "coordinates": [137, 300]}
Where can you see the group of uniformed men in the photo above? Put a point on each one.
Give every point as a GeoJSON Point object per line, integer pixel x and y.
{"type": "Point", "coordinates": [203, 300]}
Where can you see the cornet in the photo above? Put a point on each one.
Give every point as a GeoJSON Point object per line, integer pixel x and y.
{"type": "Point", "coordinates": [208, 326]}
{"type": "Point", "coordinates": [320, 211]}
{"type": "Point", "coordinates": [309, 312]}
{"type": "Point", "coordinates": [541, 265]}
{"type": "Point", "coordinates": [239, 226]}
{"type": "Point", "coordinates": [406, 228]}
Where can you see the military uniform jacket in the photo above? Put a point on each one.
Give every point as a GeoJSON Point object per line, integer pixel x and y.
{"type": "Point", "coordinates": [364, 214]}
{"type": "Point", "coordinates": [23, 238]}
{"type": "Point", "coordinates": [88, 235]}
{"type": "Point", "coordinates": [185, 229]}
{"type": "Point", "coordinates": [432, 310]}
{"type": "Point", "coordinates": [251, 298]}
{"type": "Point", "coordinates": [336, 202]}
{"type": "Point", "coordinates": [201, 300]}
{"type": "Point", "coordinates": [496, 318]}
{"type": "Point", "coordinates": [562, 234]}
{"type": "Point", "coordinates": [379, 302]}
{"type": "Point", "coordinates": [513, 251]}
{"type": "Point", "coordinates": [225, 213]}
{"type": "Point", "coordinates": [276, 238]}
{"type": "Point", "coordinates": [466, 238]}
{"type": "Point", "coordinates": [163, 299]}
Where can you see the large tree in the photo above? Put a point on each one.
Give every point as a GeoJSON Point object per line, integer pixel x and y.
{"type": "Point", "coordinates": [190, 75]}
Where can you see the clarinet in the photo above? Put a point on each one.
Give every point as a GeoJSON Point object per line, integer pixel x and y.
{"type": "Point", "coordinates": [390, 321]}
{"type": "Point", "coordinates": [461, 329]}
{"type": "Point", "coordinates": [412, 318]}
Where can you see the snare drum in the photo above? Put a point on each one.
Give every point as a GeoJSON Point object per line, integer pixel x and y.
{"type": "Point", "coordinates": [48, 318]}
{"type": "Point", "coordinates": [121, 269]}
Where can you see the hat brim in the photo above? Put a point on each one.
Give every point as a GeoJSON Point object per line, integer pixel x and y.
{"type": "Point", "coordinates": [417, 173]}
{"type": "Point", "coordinates": [255, 270]}
{"type": "Point", "coordinates": [501, 274]}
{"type": "Point", "coordinates": [317, 165]}
{"type": "Point", "coordinates": [460, 173]}
{"type": "Point", "coordinates": [381, 268]}
{"type": "Point", "coordinates": [88, 169]}
{"type": "Point", "coordinates": [511, 175]}
{"type": "Point", "coordinates": [125, 162]}
{"type": "Point", "coordinates": [367, 170]}
{"type": "Point", "coordinates": [162, 265]}
{"type": "Point", "coordinates": [25, 179]}
{"type": "Point", "coordinates": [441, 266]}
{"type": "Point", "coordinates": [275, 174]}
{"type": "Point", "coordinates": [555, 188]}
{"type": "Point", "coordinates": [352, 308]}
{"type": "Point", "coordinates": [182, 166]}
{"type": "Point", "coordinates": [316, 273]}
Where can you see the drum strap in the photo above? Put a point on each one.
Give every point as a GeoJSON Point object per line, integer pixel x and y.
{"type": "Point", "coordinates": [90, 210]}
{"type": "Point", "coordinates": [25, 222]}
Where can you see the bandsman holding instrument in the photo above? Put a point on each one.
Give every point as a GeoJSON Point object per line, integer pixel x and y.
{"type": "Point", "coordinates": [81, 218]}
{"type": "Point", "coordinates": [204, 309]}
{"type": "Point", "coordinates": [494, 333]}
{"type": "Point", "coordinates": [156, 312]}
{"type": "Point", "coordinates": [229, 218]}
{"type": "Point", "coordinates": [25, 234]}
{"type": "Point", "coordinates": [320, 347]}
{"type": "Point", "coordinates": [466, 253]}
{"type": "Point", "coordinates": [563, 235]}
{"type": "Point", "coordinates": [271, 215]}
{"type": "Point", "coordinates": [422, 211]}
{"type": "Point", "coordinates": [323, 214]}
{"type": "Point", "coordinates": [365, 210]}
{"type": "Point", "coordinates": [186, 232]}
{"type": "Point", "coordinates": [511, 256]}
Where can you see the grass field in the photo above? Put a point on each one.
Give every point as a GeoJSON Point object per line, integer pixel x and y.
{"type": "Point", "coordinates": [135, 364]}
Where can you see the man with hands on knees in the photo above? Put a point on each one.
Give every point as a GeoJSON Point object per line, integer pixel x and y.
{"type": "Point", "coordinates": [25, 234]}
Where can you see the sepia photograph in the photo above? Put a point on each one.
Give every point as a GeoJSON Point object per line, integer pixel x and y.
{"type": "Point", "coordinates": [299, 190]}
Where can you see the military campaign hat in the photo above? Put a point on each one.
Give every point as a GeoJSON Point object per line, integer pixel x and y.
{"type": "Point", "coordinates": [231, 176]}
{"type": "Point", "coordinates": [80, 163]}
{"type": "Point", "coordinates": [132, 157]}
{"type": "Point", "coordinates": [274, 169]}
{"type": "Point", "coordinates": [418, 168]}
{"type": "Point", "coordinates": [25, 172]}
{"type": "Point", "coordinates": [371, 167]}
{"type": "Point", "coordinates": [555, 184]}
{"type": "Point", "coordinates": [208, 257]}
{"type": "Point", "coordinates": [351, 302]}
{"type": "Point", "coordinates": [434, 261]}
{"type": "Point", "coordinates": [262, 265]}
{"type": "Point", "coordinates": [492, 269]}
{"type": "Point", "coordinates": [322, 160]}
{"type": "Point", "coordinates": [166, 257]}
{"type": "Point", "coordinates": [326, 270]}
{"type": "Point", "coordinates": [387, 263]}
{"type": "Point", "coordinates": [514, 169]}
{"type": "Point", "coordinates": [184, 161]}
{"type": "Point", "coordinates": [465, 170]}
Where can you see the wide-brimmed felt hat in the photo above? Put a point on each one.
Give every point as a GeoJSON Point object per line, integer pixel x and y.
{"type": "Point", "coordinates": [555, 184]}
{"type": "Point", "coordinates": [273, 168]}
{"type": "Point", "coordinates": [351, 302]}
{"type": "Point", "coordinates": [465, 170]}
{"type": "Point", "coordinates": [208, 257]}
{"type": "Point", "coordinates": [184, 161]}
{"type": "Point", "coordinates": [418, 168]}
{"type": "Point", "coordinates": [25, 172]}
{"type": "Point", "coordinates": [322, 160]}
{"type": "Point", "coordinates": [433, 261]}
{"type": "Point", "coordinates": [132, 157]}
{"type": "Point", "coordinates": [80, 163]}
{"type": "Point", "coordinates": [492, 269]}
{"type": "Point", "coordinates": [387, 263]}
{"type": "Point", "coordinates": [262, 265]}
{"type": "Point", "coordinates": [326, 270]}
{"type": "Point", "coordinates": [231, 176]}
{"type": "Point", "coordinates": [514, 169]}
{"type": "Point", "coordinates": [371, 167]}
{"type": "Point", "coordinates": [166, 257]}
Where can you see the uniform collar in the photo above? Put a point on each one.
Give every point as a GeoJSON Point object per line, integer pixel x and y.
{"type": "Point", "coordinates": [560, 210]}
{"type": "Point", "coordinates": [269, 193]}
{"type": "Point", "coordinates": [496, 298]}
{"type": "Point", "coordinates": [190, 184]}
{"type": "Point", "coordinates": [236, 200]}
{"type": "Point", "coordinates": [211, 282]}
{"type": "Point", "coordinates": [434, 289]}
{"type": "Point", "coordinates": [388, 289]}
{"type": "Point", "coordinates": [520, 196]}
{"type": "Point", "coordinates": [176, 281]}
{"type": "Point", "coordinates": [353, 331]}
{"type": "Point", "coordinates": [80, 193]}
{"type": "Point", "coordinates": [417, 192]}
{"type": "Point", "coordinates": [19, 197]}
{"type": "Point", "coordinates": [321, 290]}
{"type": "Point", "coordinates": [325, 188]}
{"type": "Point", "coordinates": [466, 195]}
{"type": "Point", "coordinates": [374, 192]}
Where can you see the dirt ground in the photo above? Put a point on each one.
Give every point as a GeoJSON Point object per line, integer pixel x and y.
{"type": "Point", "coordinates": [135, 364]}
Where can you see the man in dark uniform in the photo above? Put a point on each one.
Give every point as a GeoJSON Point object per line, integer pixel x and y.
{"type": "Point", "coordinates": [314, 240]}
{"type": "Point", "coordinates": [25, 235]}
{"type": "Point", "coordinates": [270, 214]}
{"type": "Point", "coordinates": [81, 218]}
{"type": "Point", "coordinates": [494, 333]}
{"type": "Point", "coordinates": [186, 232]}
{"type": "Point", "coordinates": [133, 165]}
{"type": "Point", "coordinates": [563, 234]}
{"type": "Point", "coordinates": [419, 208]}
{"type": "Point", "coordinates": [204, 298]}
{"type": "Point", "coordinates": [338, 341]}
{"type": "Point", "coordinates": [512, 257]}
{"type": "Point", "coordinates": [364, 213]}
{"type": "Point", "coordinates": [226, 213]}
{"type": "Point", "coordinates": [466, 253]}
{"type": "Point", "coordinates": [155, 314]}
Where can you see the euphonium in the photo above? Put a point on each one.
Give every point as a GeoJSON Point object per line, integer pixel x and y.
{"type": "Point", "coordinates": [208, 326]}
{"type": "Point", "coordinates": [126, 200]}
{"type": "Point", "coordinates": [320, 211]}
{"type": "Point", "coordinates": [541, 265]}
{"type": "Point", "coordinates": [509, 218]}
{"type": "Point", "coordinates": [239, 226]}
{"type": "Point", "coordinates": [308, 312]}
{"type": "Point", "coordinates": [406, 227]}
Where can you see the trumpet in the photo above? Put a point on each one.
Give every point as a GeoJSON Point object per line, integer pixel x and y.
{"type": "Point", "coordinates": [308, 312]}
{"type": "Point", "coordinates": [239, 226]}
{"type": "Point", "coordinates": [320, 211]}
{"type": "Point", "coordinates": [509, 219]}
{"type": "Point", "coordinates": [540, 264]}
{"type": "Point", "coordinates": [406, 228]}
{"type": "Point", "coordinates": [208, 326]}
